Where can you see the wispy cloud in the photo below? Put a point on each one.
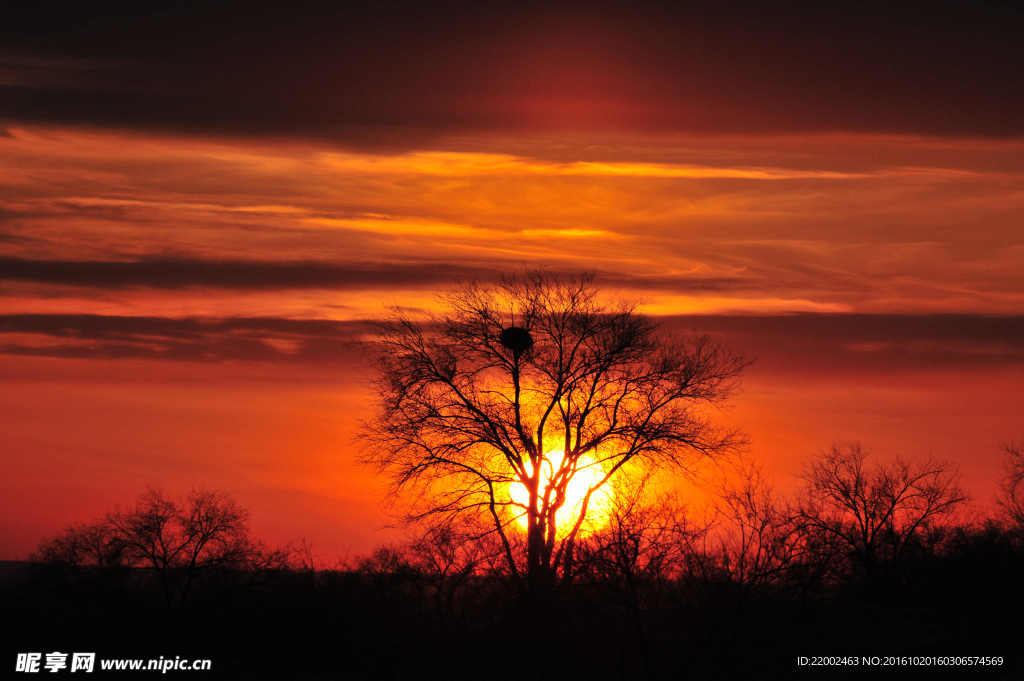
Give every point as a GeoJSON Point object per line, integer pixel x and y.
{"type": "Point", "coordinates": [836, 223]}
{"type": "Point", "coordinates": [469, 164]}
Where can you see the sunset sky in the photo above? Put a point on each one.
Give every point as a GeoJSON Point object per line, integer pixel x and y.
{"type": "Point", "coordinates": [201, 208]}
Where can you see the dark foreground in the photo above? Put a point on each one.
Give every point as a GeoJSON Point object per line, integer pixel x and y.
{"type": "Point", "coordinates": [396, 623]}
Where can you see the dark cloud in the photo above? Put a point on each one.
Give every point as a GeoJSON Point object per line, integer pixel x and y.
{"type": "Point", "coordinates": [802, 345]}
{"type": "Point", "coordinates": [170, 273]}
{"type": "Point", "coordinates": [230, 274]}
{"type": "Point", "coordinates": [396, 74]}
{"type": "Point", "coordinates": [808, 344]}
{"type": "Point", "coordinates": [104, 327]}
{"type": "Point", "coordinates": [190, 339]}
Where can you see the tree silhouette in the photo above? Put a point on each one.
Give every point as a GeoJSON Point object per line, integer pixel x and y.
{"type": "Point", "coordinates": [183, 540]}
{"type": "Point", "coordinates": [179, 541]}
{"type": "Point", "coordinates": [1011, 487]}
{"type": "Point", "coordinates": [448, 556]}
{"type": "Point", "coordinates": [647, 542]}
{"type": "Point", "coordinates": [534, 382]}
{"type": "Point", "coordinates": [872, 513]}
{"type": "Point", "coordinates": [93, 543]}
{"type": "Point", "coordinates": [758, 541]}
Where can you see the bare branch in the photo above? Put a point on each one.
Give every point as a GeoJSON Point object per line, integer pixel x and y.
{"type": "Point", "coordinates": [466, 414]}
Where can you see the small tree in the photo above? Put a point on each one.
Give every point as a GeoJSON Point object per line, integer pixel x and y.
{"type": "Point", "coordinates": [1011, 488]}
{"type": "Point", "coordinates": [181, 541]}
{"type": "Point", "coordinates": [646, 544]}
{"type": "Point", "coordinates": [448, 556]}
{"type": "Point", "coordinates": [534, 383]}
{"type": "Point", "coordinates": [756, 535]}
{"type": "Point", "coordinates": [178, 540]}
{"type": "Point", "coordinates": [88, 544]}
{"type": "Point", "coordinates": [873, 512]}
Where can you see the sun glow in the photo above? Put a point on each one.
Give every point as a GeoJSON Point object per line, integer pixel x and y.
{"type": "Point", "coordinates": [587, 474]}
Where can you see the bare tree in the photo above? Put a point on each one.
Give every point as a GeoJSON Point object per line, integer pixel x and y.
{"type": "Point", "coordinates": [1011, 488]}
{"type": "Point", "coordinates": [643, 547]}
{"type": "Point", "coordinates": [449, 556]}
{"type": "Point", "coordinates": [94, 544]}
{"type": "Point", "coordinates": [304, 557]}
{"type": "Point", "coordinates": [533, 382]}
{"type": "Point", "coordinates": [757, 536]}
{"type": "Point", "coordinates": [646, 542]}
{"type": "Point", "coordinates": [873, 512]}
{"type": "Point", "coordinates": [179, 541]}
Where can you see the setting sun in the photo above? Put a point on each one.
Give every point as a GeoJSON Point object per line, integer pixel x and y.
{"type": "Point", "coordinates": [587, 474]}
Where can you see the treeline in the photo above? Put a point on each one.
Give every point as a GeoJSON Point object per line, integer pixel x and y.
{"type": "Point", "coordinates": [180, 543]}
{"type": "Point", "coordinates": [853, 523]}
{"type": "Point", "coordinates": [866, 558]}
